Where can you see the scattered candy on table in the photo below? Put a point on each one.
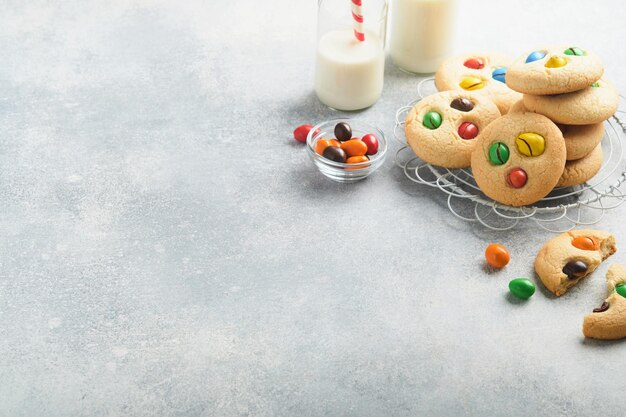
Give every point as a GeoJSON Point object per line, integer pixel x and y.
{"type": "Point", "coordinates": [522, 288]}
{"type": "Point", "coordinates": [301, 132]}
{"type": "Point", "coordinates": [497, 255]}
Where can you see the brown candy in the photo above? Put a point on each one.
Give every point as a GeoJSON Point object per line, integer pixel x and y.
{"type": "Point", "coordinates": [335, 153]}
{"type": "Point", "coordinates": [602, 308]}
{"type": "Point", "coordinates": [462, 104]}
{"type": "Point", "coordinates": [343, 131]}
{"type": "Point", "coordinates": [575, 269]}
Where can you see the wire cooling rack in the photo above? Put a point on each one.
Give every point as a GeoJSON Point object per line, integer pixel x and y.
{"type": "Point", "coordinates": [562, 210]}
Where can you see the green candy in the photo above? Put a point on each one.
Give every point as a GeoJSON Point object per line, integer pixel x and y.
{"type": "Point", "coordinates": [621, 289]}
{"type": "Point", "coordinates": [522, 288]}
{"type": "Point", "coordinates": [574, 50]}
{"type": "Point", "coordinates": [596, 85]}
{"type": "Point", "coordinates": [498, 153]}
{"type": "Point", "coordinates": [432, 120]}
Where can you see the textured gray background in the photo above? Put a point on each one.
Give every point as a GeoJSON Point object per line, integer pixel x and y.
{"type": "Point", "coordinates": [166, 249]}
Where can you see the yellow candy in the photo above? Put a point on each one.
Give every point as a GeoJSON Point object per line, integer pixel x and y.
{"type": "Point", "coordinates": [530, 144]}
{"type": "Point", "coordinates": [471, 83]}
{"type": "Point", "coordinates": [556, 62]}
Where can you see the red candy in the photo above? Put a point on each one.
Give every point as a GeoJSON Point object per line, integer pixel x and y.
{"type": "Point", "coordinates": [474, 63]}
{"type": "Point", "coordinates": [302, 132]}
{"type": "Point", "coordinates": [468, 130]}
{"type": "Point", "coordinates": [517, 178]}
{"type": "Point", "coordinates": [372, 143]}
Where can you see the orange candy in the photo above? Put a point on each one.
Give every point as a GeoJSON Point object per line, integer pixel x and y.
{"type": "Point", "coordinates": [354, 147]}
{"type": "Point", "coordinates": [497, 255]}
{"type": "Point", "coordinates": [322, 144]}
{"type": "Point", "coordinates": [585, 243]}
{"type": "Point", "coordinates": [357, 160]}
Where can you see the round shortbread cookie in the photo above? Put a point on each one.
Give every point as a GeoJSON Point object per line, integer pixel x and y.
{"type": "Point", "coordinates": [609, 320]}
{"type": "Point", "coordinates": [519, 158]}
{"type": "Point", "coordinates": [554, 70]}
{"type": "Point", "coordinates": [582, 170]}
{"type": "Point", "coordinates": [479, 72]}
{"type": "Point", "coordinates": [593, 104]}
{"type": "Point", "coordinates": [571, 256]}
{"type": "Point", "coordinates": [442, 128]}
{"type": "Point", "coordinates": [518, 107]}
{"type": "Point", "coordinates": [581, 140]}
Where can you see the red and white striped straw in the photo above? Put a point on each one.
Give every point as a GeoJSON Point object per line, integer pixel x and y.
{"type": "Point", "coordinates": [357, 17]}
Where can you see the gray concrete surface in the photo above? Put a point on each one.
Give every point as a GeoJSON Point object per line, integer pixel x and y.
{"type": "Point", "coordinates": [167, 250]}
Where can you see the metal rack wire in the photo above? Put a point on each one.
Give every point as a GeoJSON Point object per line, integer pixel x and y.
{"type": "Point", "coordinates": [563, 209]}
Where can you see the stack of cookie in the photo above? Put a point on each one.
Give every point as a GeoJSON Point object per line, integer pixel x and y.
{"type": "Point", "coordinates": [565, 85]}
{"type": "Point", "coordinates": [524, 126]}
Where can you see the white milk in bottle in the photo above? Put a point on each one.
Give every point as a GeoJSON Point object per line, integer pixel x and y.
{"type": "Point", "coordinates": [421, 33]}
{"type": "Point", "coordinates": [349, 73]}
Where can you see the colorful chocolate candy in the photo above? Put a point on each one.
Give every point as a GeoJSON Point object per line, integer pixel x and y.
{"type": "Point", "coordinates": [357, 159]}
{"type": "Point", "coordinates": [605, 306]}
{"type": "Point", "coordinates": [517, 178]}
{"type": "Point", "coordinates": [556, 62]}
{"type": "Point", "coordinates": [432, 120]}
{"type": "Point", "coordinates": [522, 288]}
{"type": "Point", "coordinates": [497, 255]}
{"type": "Point", "coordinates": [530, 144]}
{"type": "Point", "coordinates": [575, 269]}
{"type": "Point", "coordinates": [471, 83]}
{"type": "Point", "coordinates": [462, 104]}
{"type": "Point", "coordinates": [595, 85]}
{"type": "Point", "coordinates": [621, 289]}
{"type": "Point", "coordinates": [335, 153]}
{"type": "Point", "coordinates": [468, 130]}
{"type": "Point", "coordinates": [498, 153]}
{"type": "Point", "coordinates": [535, 56]}
{"type": "Point", "coordinates": [372, 143]}
{"type": "Point", "coordinates": [343, 131]}
{"type": "Point", "coordinates": [574, 50]}
{"type": "Point", "coordinates": [499, 74]}
{"type": "Point", "coordinates": [474, 63]}
{"type": "Point", "coordinates": [585, 243]}
{"type": "Point", "coordinates": [322, 144]}
{"type": "Point", "coordinates": [354, 147]}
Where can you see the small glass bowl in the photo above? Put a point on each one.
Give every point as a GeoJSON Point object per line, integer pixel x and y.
{"type": "Point", "coordinates": [339, 171]}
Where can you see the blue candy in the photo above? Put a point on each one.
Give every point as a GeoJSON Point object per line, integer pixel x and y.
{"type": "Point", "coordinates": [498, 74]}
{"type": "Point", "coordinates": [535, 56]}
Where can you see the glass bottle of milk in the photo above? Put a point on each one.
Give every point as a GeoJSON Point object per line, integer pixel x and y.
{"type": "Point", "coordinates": [421, 33]}
{"type": "Point", "coordinates": [349, 72]}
